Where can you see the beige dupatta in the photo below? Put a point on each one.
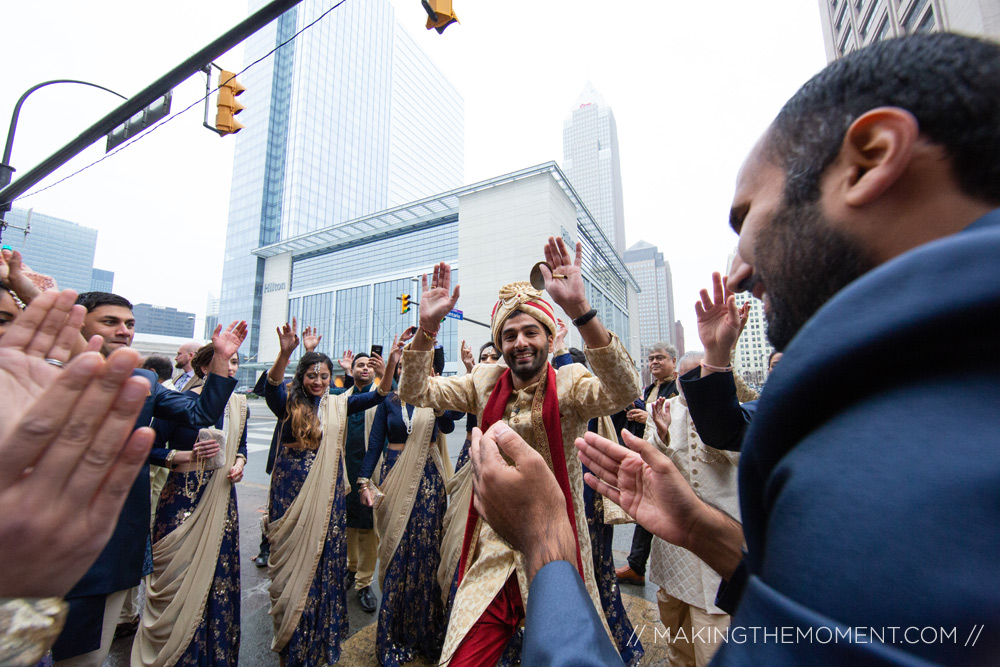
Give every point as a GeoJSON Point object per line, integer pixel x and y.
{"type": "Point", "coordinates": [459, 490]}
{"type": "Point", "coordinates": [613, 513]}
{"type": "Point", "coordinates": [184, 562]}
{"type": "Point", "coordinates": [401, 486]}
{"type": "Point", "coordinates": [297, 538]}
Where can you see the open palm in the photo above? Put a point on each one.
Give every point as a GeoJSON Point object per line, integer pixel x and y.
{"type": "Point", "coordinates": [644, 482]}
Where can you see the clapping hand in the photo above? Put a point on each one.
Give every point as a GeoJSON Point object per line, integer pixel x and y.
{"type": "Point", "coordinates": [68, 454]}
{"type": "Point", "coordinates": [661, 417]}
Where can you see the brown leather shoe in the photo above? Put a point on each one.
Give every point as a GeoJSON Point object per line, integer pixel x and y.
{"type": "Point", "coordinates": [629, 576]}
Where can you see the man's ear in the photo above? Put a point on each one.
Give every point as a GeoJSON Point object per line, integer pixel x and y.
{"type": "Point", "coordinates": [876, 151]}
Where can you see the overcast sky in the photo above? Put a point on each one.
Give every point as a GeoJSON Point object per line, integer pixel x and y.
{"type": "Point", "coordinates": [692, 86]}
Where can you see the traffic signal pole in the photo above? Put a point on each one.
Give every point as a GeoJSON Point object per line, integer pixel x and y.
{"type": "Point", "coordinates": [141, 100]}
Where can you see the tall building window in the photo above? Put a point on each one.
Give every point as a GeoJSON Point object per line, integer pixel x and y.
{"type": "Point", "coordinates": [866, 23]}
{"type": "Point", "coordinates": [913, 15]}
{"type": "Point", "coordinates": [927, 23]}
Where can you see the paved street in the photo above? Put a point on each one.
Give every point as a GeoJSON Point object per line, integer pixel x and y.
{"type": "Point", "coordinates": [252, 498]}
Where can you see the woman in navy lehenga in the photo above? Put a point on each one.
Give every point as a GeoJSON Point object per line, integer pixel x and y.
{"type": "Point", "coordinates": [192, 612]}
{"type": "Point", "coordinates": [415, 467]}
{"type": "Point", "coordinates": [306, 517]}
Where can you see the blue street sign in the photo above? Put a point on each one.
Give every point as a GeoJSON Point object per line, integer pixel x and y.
{"type": "Point", "coordinates": [455, 315]}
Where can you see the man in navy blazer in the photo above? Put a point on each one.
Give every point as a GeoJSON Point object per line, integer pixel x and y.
{"type": "Point", "coordinates": [91, 622]}
{"type": "Point", "coordinates": [869, 476]}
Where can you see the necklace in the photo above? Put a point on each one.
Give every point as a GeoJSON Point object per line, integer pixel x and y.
{"type": "Point", "coordinates": [406, 418]}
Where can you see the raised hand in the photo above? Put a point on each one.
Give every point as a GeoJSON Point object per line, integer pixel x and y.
{"type": "Point", "coordinates": [377, 364]}
{"type": "Point", "coordinates": [346, 362]}
{"type": "Point", "coordinates": [67, 463]}
{"type": "Point", "coordinates": [662, 418]}
{"type": "Point", "coordinates": [467, 359]}
{"type": "Point", "coordinates": [288, 340]}
{"type": "Point", "coordinates": [311, 338]}
{"type": "Point", "coordinates": [15, 278]}
{"type": "Point", "coordinates": [561, 332]}
{"type": "Point", "coordinates": [564, 282]}
{"type": "Point", "coordinates": [227, 343]}
{"type": "Point", "coordinates": [436, 299]}
{"type": "Point", "coordinates": [719, 322]}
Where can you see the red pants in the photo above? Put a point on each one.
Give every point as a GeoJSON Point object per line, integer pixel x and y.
{"type": "Point", "coordinates": [487, 638]}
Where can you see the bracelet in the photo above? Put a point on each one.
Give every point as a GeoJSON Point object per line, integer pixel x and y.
{"type": "Point", "coordinates": [586, 317]}
{"type": "Point", "coordinates": [717, 369]}
{"type": "Point", "coordinates": [428, 335]}
{"type": "Point", "coordinates": [272, 382]}
{"type": "Point", "coordinates": [170, 458]}
{"type": "Point", "coordinates": [240, 456]}
{"type": "Point", "coordinates": [380, 390]}
{"type": "Point", "coordinates": [363, 482]}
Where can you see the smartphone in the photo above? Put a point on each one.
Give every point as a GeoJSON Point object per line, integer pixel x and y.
{"type": "Point", "coordinates": [376, 349]}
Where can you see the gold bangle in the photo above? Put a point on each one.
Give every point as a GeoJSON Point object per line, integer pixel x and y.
{"type": "Point", "coordinates": [381, 391]}
{"type": "Point", "coordinates": [170, 458]}
{"type": "Point", "coordinates": [272, 382]}
{"type": "Point", "coordinates": [428, 335]}
{"type": "Point", "coordinates": [240, 456]}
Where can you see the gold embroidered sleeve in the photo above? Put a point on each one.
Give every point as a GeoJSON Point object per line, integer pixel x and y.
{"type": "Point", "coordinates": [612, 386]}
{"type": "Point", "coordinates": [418, 385]}
{"type": "Point", "coordinates": [28, 628]}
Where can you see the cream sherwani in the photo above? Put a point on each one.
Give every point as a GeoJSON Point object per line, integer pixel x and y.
{"type": "Point", "coordinates": [582, 396]}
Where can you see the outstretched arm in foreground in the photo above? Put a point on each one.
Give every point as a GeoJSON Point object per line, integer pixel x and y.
{"type": "Point", "coordinates": [524, 505]}
{"type": "Point", "coordinates": [653, 491]}
{"type": "Point", "coordinates": [68, 456]}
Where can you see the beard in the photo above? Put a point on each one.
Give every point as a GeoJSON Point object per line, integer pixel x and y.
{"type": "Point", "coordinates": [529, 369]}
{"type": "Point", "coordinates": [803, 262]}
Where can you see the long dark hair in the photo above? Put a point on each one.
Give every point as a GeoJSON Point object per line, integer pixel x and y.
{"type": "Point", "coordinates": [299, 407]}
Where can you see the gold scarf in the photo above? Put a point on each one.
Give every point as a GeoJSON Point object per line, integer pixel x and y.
{"type": "Point", "coordinates": [184, 562]}
{"type": "Point", "coordinates": [298, 537]}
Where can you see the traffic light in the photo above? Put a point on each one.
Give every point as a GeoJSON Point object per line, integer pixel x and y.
{"type": "Point", "coordinates": [405, 305]}
{"type": "Point", "coordinates": [440, 15]}
{"type": "Point", "coordinates": [227, 107]}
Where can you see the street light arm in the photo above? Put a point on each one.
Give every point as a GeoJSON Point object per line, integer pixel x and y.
{"type": "Point", "coordinates": [5, 174]}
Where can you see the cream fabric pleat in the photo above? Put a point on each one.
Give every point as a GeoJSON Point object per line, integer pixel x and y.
{"type": "Point", "coordinates": [298, 537]}
{"type": "Point", "coordinates": [459, 490]}
{"type": "Point", "coordinates": [184, 563]}
{"type": "Point", "coordinates": [401, 486]}
{"type": "Point", "coordinates": [613, 513]}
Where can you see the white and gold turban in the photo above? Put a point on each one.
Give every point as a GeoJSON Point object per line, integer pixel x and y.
{"type": "Point", "coordinates": [521, 297]}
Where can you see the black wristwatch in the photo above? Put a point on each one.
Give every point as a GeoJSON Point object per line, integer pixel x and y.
{"type": "Point", "coordinates": [586, 317]}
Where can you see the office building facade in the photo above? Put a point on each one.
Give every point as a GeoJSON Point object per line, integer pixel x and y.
{"type": "Point", "coordinates": [656, 321]}
{"type": "Point", "coordinates": [347, 119]}
{"type": "Point", "coordinates": [53, 246]}
{"type": "Point", "coordinates": [163, 321]}
{"type": "Point", "coordinates": [102, 281]}
{"type": "Point", "coordinates": [851, 24]}
{"type": "Point", "coordinates": [591, 162]}
{"type": "Point", "coordinates": [347, 280]}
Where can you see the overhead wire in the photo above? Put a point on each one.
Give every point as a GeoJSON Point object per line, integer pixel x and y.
{"type": "Point", "coordinates": [201, 99]}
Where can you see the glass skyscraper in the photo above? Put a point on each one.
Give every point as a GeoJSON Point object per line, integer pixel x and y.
{"type": "Point", "coordinates": [590, 160]}
{"type": "Point", "coordinates": [55, 247]}
{"type": "Point", "coordinates": [347, 119]}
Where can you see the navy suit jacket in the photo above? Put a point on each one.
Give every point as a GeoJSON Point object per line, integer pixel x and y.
{"type": "Point", "coordinates": [561, 626]}
{"type": "Point", "coordinates": [715, 409]}
{"type": "Point", "coordinates": [120, 564]}
{"type": "Point", "coordinates": [870, 475]}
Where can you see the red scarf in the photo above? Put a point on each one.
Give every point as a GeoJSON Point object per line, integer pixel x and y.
{"type": "Point", "coordinates": [493, 412]}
